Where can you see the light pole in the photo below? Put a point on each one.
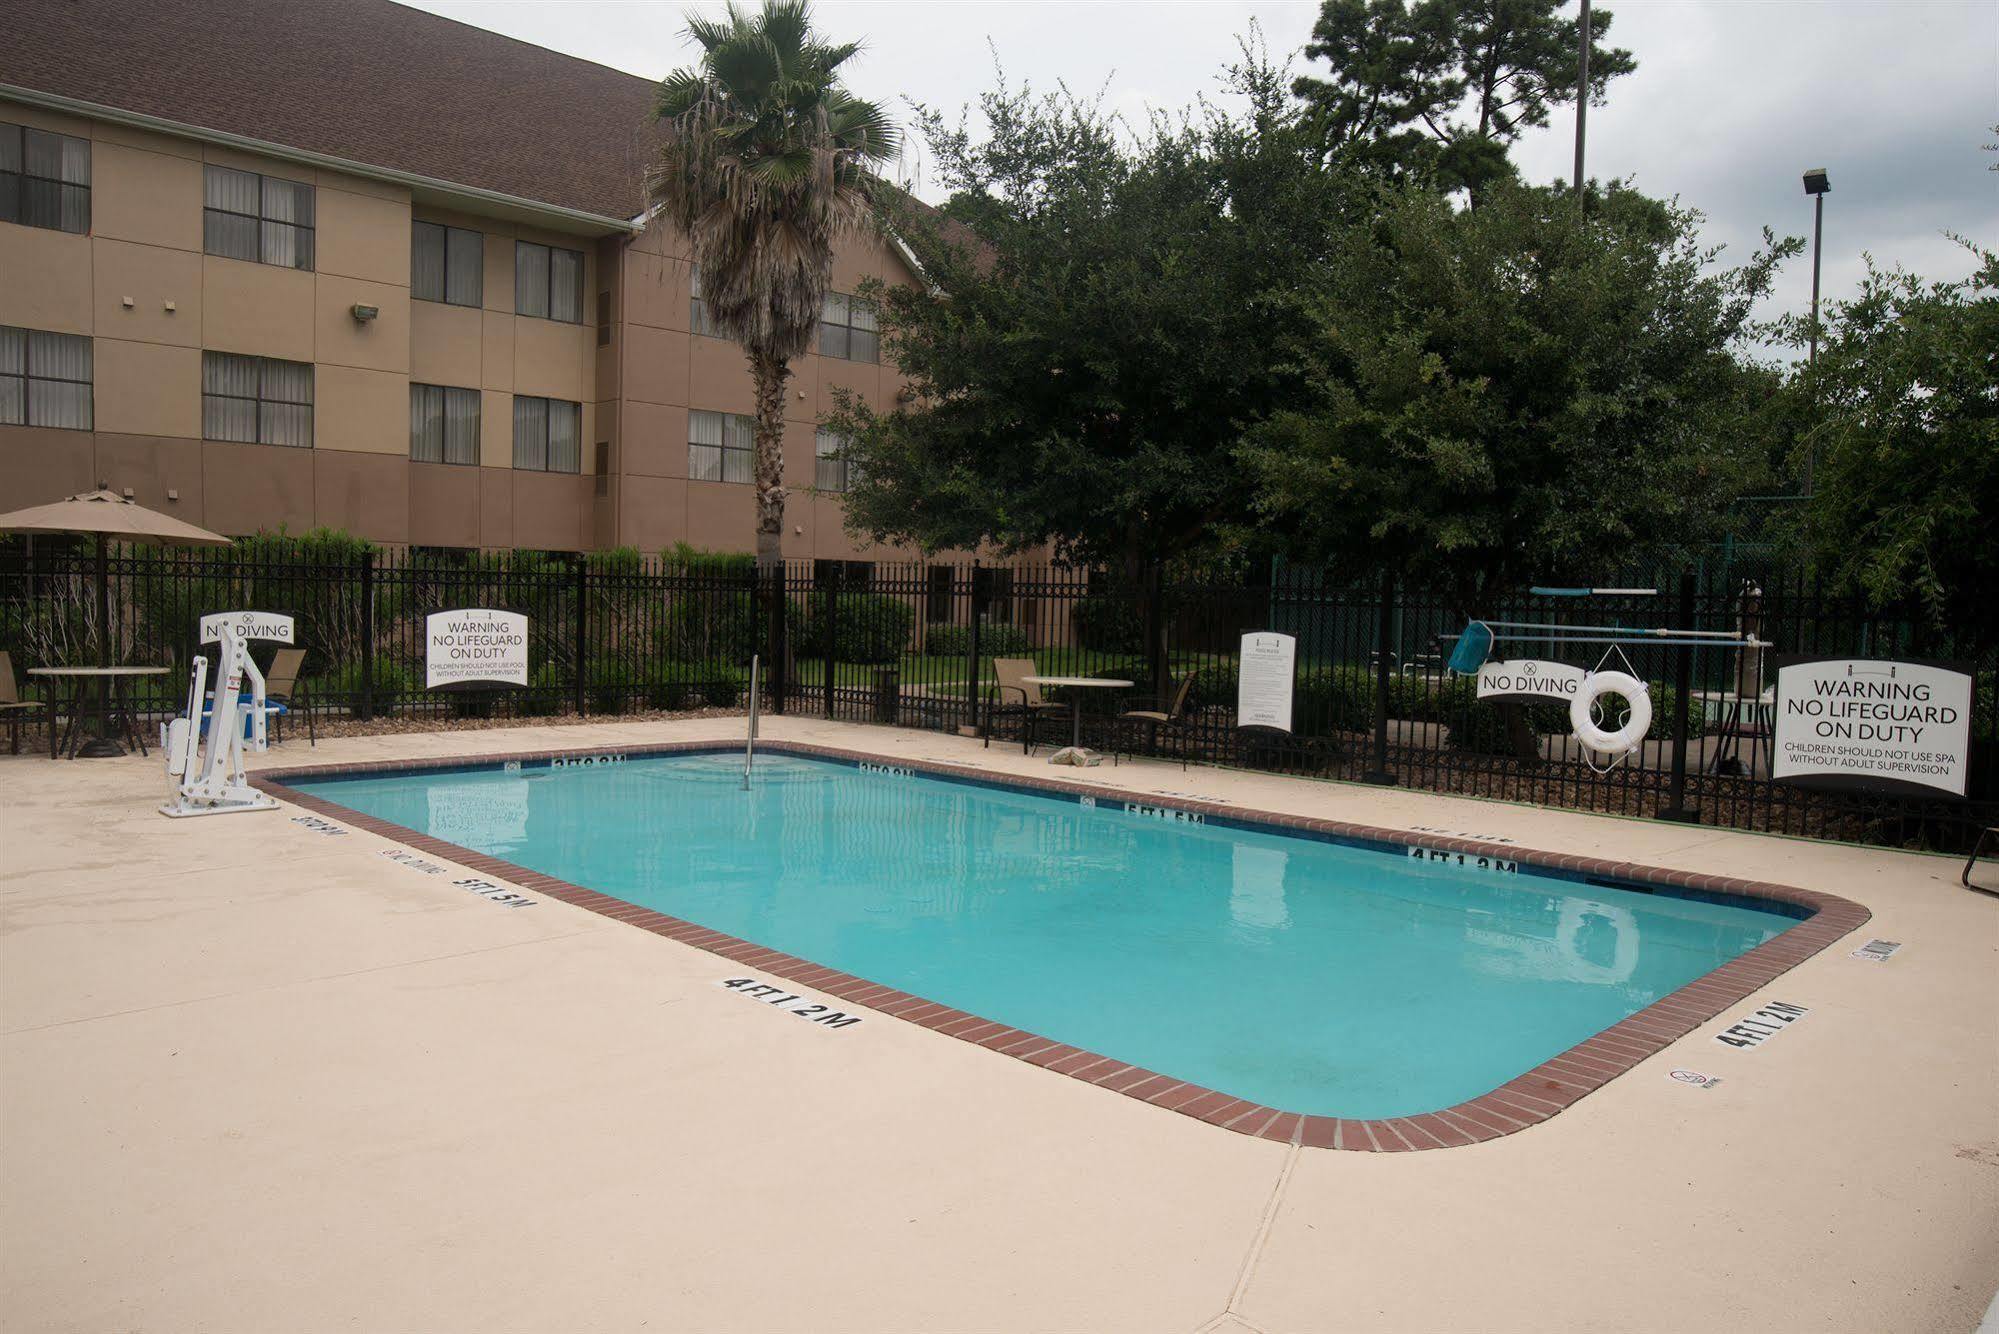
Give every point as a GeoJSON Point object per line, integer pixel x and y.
{"type": "Point", "coordinates": [1582, 101]}
{"type": "Point", "coordinates": [1817, 186]}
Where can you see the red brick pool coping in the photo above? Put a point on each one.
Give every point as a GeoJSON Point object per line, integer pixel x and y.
{"type": "Point", "coordinates": [1523, 1101]}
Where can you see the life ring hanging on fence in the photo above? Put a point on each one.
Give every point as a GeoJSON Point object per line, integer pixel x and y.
{"type": "Point", "coordinates": [1637, 695]}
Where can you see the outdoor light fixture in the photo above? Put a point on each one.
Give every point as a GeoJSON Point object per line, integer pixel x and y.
{"type": "Point", "coordinates": [362, 314]}
{"type": "Point", "coordinates": [1816, 182]}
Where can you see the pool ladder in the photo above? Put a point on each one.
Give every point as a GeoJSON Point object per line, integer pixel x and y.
{"type": "Point", "coordinates": [750, 740]}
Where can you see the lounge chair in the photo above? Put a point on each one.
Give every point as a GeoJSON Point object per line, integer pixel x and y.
{"type": "Point", "coordinates": [1011, 693]}
{"type": "Point", "coordinates": [1154, 720]}
{"type": "Point", "coordinates": [13, 707]}
{"type": "Point", "coordinates": [282, 686]}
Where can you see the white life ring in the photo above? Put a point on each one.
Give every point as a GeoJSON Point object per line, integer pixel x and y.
{"type": "Point", "coordinates": [1626, 738]}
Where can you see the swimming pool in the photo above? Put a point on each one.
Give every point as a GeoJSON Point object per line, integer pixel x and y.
{"type": "Point", "coordinates": [1328, 976]}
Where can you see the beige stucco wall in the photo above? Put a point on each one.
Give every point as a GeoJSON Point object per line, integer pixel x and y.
{"type": "Point", "coordinates": [636, 389]}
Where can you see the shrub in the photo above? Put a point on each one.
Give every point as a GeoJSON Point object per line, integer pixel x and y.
{"type": "Point", "coordinates": [995, 639]}
{"type": "Point", "coordinates": [1334, 699]}
{"type": "Point", "coordinates": [609, 684]}
{"type": "Point", "coordinates": [726, 689]}
{"type": "Point", "coordinates": [1109, 623]}
{"type": "Point", "coordinates": [710, 626]}
{"type": "Point", "coordinates": [547, 686]}
{"type": "Point", "coordinates": [680, 558]}
{"type": "Point", "coordinates": [872, 627]}
{"type": "Point", "coordinates": [342, 684]}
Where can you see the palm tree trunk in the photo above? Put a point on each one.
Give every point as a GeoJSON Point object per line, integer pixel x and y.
{"type": "Point", "coordinates": [770, 376]}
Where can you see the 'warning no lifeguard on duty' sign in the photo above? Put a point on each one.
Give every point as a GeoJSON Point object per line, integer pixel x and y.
{"type": "Point", "coordinates": [475, 644]}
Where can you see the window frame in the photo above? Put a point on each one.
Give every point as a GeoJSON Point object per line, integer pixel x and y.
{"type": "Point", "coordinates": [24, 176]}
{"type": "Point", "coordinates": [699, 322]}
{"type": "Point", "coordinates": [722, 448]}
{"type": "Point", "coordinates": [547, 434]}
{"type": "Point", "coordinates": [262, 399]}
{"type": "Point", "coordinates": [548, 295]}
{"type": "Point", "coordinates": [442, 418]}
{"type": "Point", "coordinates": [846, 329]}
{"type": "Point", "coordinates": [262, 219]}
{"type": "Point", "coordinates": [445, 233]}
{"type": "Point", "coordinates": [28, 379]}
{"type": "Point", "coordinates": [822, 462]}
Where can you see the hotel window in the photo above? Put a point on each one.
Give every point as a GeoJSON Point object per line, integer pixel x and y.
{"type": "Point", "coordinates": [256, 400]}
{"type": "Point", "coordinates": [831, 471]}
{"type": "Point", "coordinates": [548, 435]}
{"type": "Point", "coordinates": [719, 445]}
{"type": "Point", "coordinates": [44, 379]}
{"type": "Point", "coordinates": [548, 282]}
{"type": "Point", "coordinates": [847, 329]}
{"type": "Point", "coordinates": [44, 179]}
{"type": "Point", "coordinates": [444, 424]}
{"type": "Point", "coordinates": [447, 264]}
{"type": "Point", "coordinates": [264, 219]}
{"type": "Point", "coordinates": [697, 309]}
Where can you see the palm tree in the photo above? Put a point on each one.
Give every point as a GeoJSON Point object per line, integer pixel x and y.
{"type": "Point", "coordinates": [766, 163]}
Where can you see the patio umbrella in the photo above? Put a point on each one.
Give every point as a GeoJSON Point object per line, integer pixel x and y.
{"type": "Point", "coordinates": [104, 514]}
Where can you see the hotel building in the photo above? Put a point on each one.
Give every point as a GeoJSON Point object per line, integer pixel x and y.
{"type": "Point", "coordinates": [349, 264]}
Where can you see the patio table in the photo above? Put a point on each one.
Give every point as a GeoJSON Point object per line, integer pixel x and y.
{"type": "Point", "coordinates": [1073, 753]}
{"type": "Point", "coordinates": [119, 706]}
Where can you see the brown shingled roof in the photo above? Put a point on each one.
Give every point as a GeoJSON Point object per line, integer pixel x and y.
{"type": "Point", "coordinates": [364, 80]}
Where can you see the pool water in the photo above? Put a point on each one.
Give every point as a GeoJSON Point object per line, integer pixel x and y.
{"type": "Point", "coordinates": [1308, 975]}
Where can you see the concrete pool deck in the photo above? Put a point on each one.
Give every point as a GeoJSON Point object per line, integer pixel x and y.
{"type": "Point", "coordinates": [256, 1076]}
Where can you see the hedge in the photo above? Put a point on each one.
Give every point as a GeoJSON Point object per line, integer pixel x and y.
{"type": "Point", "coordinates": [955, 641]}
{"type": "Point", "coordinates": [871, 627]}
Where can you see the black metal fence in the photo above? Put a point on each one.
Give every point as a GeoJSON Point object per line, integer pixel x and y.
{"type": "Point", "coordinates": [914, 645]}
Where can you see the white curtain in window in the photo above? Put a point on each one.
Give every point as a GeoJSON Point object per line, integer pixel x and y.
{"type": "Point", "coordinates": [530, 279]}
{"type": "Point", "coordinates": [13, 371]}
{"type": "Point", "coordinates": [531, 433]}
{"type": "Point", "coordinates": [285, 415]}
{"type": "Point", "coordinates": [287, 209]}
{"type": "Point", "coordinates": [565, 285]}
{"type": "Point", "coordinates": [565, 437]}
{"type": "Point", "coordinates": [231, 233]}
{"type": "Point", "coordinates": [704, 428]}
{"type": "Point", "coordinates": [59, 380]}
{"type": "Point", "coordinates": [426, 424]}
{"type": "Point", "coordinates": [229, 397]}
{"type": "Point", "coordinates": [427, 261]}
{"type": "Point", "coordinates": [739, 432]}
{"type": "Point", "coordinates": [465, 270]}
{"type": "Point", "coordinates": [461, 426]}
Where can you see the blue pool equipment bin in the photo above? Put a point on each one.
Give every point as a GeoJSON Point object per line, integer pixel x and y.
{"type": "Point", "coordinates": [1473, 647]}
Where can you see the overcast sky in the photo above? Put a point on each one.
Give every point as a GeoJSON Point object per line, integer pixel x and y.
{"type": "Point", "coordinates": [1731, 101]}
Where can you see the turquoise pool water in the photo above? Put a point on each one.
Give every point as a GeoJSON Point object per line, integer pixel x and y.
{"type": "Point", "coordinates": [1307, 975]}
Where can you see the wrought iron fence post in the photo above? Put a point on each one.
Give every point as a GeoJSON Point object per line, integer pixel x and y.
{"type": "Point", "coordinates": [830, 637]}
{"type": "Point", "coordinates": [580, 580]}
{"type": "Point", "coordinates": [1381, 774]}
{"type": "Point", "coordinates": [779, 654]}
{"type": "Point", "coordinates": [1683, 672]}
{"type": "Point", "coordinates": [974, 692]}
{"type": "Point", "coordinates": [367, 705]}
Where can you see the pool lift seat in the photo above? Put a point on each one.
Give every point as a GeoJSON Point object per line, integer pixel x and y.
{"type": "Point", "coordinates": [212, 781]}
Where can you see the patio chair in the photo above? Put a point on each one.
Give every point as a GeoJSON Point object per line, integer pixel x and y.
{"type": "Point", "coordinates": [1010, 693]}
{"type": "Point", "coordinates": [16, 709]}
{"type": "Point", "coordinates": [282, 686]}
{"type": "Point", "coordinates": [1154, 720]}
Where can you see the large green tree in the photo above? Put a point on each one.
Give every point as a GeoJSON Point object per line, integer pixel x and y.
{"type": "Point", "coordinates": [1513, 394]}
{"type": "Point", "coordinates": [1442, 88]}
{"type": "Point", "coordinates": [766, 161]}
{"type": "Point", "coordinates": [1102, 312]}
{"type": "Point", "coordinates": [1902, 428]}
